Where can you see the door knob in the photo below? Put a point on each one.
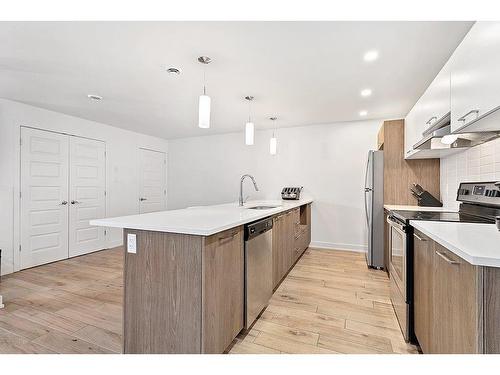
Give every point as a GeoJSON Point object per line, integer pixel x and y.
{"type": "Point", "coordinates": [75, 202]}
{"type": "Point", "coordinates": [63, 203]}
{"type": "Point", "coordinates": [143, 199]}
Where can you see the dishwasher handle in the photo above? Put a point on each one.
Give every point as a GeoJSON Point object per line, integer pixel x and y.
{"type": "Point", "coordinates": [257, 228]}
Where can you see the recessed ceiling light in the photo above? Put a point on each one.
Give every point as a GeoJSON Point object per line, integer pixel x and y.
{"type": "Point", "coordinates": [173, 70]}
{"type": "Point", "coordinates": [366, 92]}
{"type": "Point", "coordinates": [94, 97]}
{"type": "Point", "coordinates": [371, 55]}
{"type": "Point", "coordinates": [363, 113]}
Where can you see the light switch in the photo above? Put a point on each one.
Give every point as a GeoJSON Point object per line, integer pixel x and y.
{"type": "Point", "coordinates": [131, 243]}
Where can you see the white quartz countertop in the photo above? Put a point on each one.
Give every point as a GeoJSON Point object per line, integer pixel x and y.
{"type": "Point", "coordinates": [199, 220]}
{"type": "Point", "coordinates": [391, 207]}
{"type": "Point", "coordinates": [478, 244]}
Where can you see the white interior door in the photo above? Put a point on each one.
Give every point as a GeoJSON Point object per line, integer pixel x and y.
{"type": "Point", "coordinates": [152, 180]}
{"type": "Point", "coordinates": [44, 197]}
{"type": "Point", "coordinates": [87, 200]}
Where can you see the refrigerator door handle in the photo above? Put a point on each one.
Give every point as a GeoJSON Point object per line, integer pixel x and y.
{"type": "Point", "coordinates": [367, 190]}
{"type": "Point", "coordinates": [366, 213]}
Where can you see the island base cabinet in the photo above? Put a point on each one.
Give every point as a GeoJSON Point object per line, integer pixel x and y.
{"type": "Point", "coordinates": [223, 290]}
{"type": "Point", "coordinates": [282, 236]}
{"type": "Point", "coordinates": [162, 293]}
{"type": "Point", "coordinates": [291, 237]}
{"type": "Point", "coordinates": [183, 293]}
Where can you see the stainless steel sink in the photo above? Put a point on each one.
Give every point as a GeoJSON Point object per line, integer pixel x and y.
{"type": "Point", "coordinates": [262, 207]}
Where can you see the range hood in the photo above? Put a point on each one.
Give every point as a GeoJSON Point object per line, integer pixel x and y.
{"type": "Point", "coordinates": [440, 138]}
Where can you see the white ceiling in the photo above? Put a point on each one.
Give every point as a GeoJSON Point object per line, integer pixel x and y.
{"type": "Point", "coordinates": [304, 72]}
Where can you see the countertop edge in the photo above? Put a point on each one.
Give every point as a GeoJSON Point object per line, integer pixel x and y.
{"type": "Point", "coordinates": [190, 231]}
{"type": "Point", "coordinates": [475, 261]}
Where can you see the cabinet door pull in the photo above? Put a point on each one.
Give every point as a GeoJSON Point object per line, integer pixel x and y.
{"type": "Point", "coordinates": [464, 117]}
{"type": "Point", "coordinates": [418, 237]}
{"type": "Point", "coordinates": [431, 119]}
{"type": "Point", "coordinates": [446, 258]}
{"type": "Point", "coordinates": [229, 236]}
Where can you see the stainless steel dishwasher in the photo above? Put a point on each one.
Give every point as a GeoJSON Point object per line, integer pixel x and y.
{"type": "Point", "coordinates": [258, 268]}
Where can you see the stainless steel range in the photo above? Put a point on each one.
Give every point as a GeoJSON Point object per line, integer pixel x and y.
{"type": "Point", "coordinates": [480, 203]}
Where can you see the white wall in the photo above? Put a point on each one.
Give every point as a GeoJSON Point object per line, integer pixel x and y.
{"type": "Point", "coordinates": [121, 167]}
{"type": "Point", "coordinates": [328, 160]}
{"type": "Point", "coordinates": [480, 163]}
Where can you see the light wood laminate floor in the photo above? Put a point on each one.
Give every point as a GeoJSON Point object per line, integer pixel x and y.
{"type": "Point", "coordinates": [329, 303]}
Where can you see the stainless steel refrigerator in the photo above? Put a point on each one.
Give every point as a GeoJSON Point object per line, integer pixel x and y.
{"type": "Point", "coordinates": [374, 208]}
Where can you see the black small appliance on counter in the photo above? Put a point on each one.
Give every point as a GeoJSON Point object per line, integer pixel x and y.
{"type": "Point", "coordinates": [424, 198]}
{"type": "Point", "coordinates": [291, 193]}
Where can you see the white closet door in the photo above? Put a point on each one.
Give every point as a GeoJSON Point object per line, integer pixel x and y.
{"type": "Point", "coordinates": [87, 184]}
{"type": "Point", "coordinates": [44, 197]}
{"type": "Point", "coordinates": [152, 180]}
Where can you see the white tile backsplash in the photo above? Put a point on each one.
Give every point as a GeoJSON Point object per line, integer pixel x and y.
{"type": "Point", "coordinates": [480, 163]}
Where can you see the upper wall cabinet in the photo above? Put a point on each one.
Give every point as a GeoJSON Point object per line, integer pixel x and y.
{"type": "Point", "coordinates": [412, 132]}
{"type": "Point", "coordinates": [435, 103]}
{"type": "Point", "coordinates": [432, 109]}
{"type": "Point", "coordinates": [475, 79]}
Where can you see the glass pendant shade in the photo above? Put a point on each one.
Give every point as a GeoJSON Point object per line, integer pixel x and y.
{"type": "Point", "coordinates": [204, 112]}
{"type": "Point", "coordinates": [272, 145]}
{"type": "Point", "coordinates": [249, 133]}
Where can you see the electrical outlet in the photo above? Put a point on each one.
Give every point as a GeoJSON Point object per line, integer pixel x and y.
{"type": "Point", "coordinates": [131, 243]}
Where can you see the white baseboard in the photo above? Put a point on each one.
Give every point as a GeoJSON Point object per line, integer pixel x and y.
{"type": "Point", "coordinates": [338, 246]}
{"type": "Point", "coordinates": [116, 243]}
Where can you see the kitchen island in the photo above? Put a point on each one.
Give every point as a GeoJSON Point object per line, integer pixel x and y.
{"type": "Point", "coordinates": [184, 272]}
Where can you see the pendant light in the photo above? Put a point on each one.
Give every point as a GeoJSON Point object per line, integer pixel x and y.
{"type": "Point", "coordinates": [204, 103]}
{"type": "Point", "coordinates": [249, 126]}
{"type": "Point", "coordinates": [273, 142]}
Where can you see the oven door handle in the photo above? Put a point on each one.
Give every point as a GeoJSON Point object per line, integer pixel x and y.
{"type": "Point", "coordinates": [395, 224]}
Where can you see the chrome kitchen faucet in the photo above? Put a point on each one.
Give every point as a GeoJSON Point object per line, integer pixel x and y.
{"type": "Point", "coordinates": [241, 200]}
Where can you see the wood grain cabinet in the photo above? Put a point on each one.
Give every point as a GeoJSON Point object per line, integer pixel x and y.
{"type": "Point", "coordinates": [456, 303]}
{"type": "Point", "coordinates": [423, 290]}
{"type": "Point", "coordinates": [183, 293]}
{"type": "Point", "coordinates": [280, 252]}
{"type": "Point", "coordinates": [400, 174]}
{"type": "Point", "coordinates": [291, 237]}
{"type": "Point", "coordinates": [447, 300]}
{"type": "Point", "coordinates": [223, 289]}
